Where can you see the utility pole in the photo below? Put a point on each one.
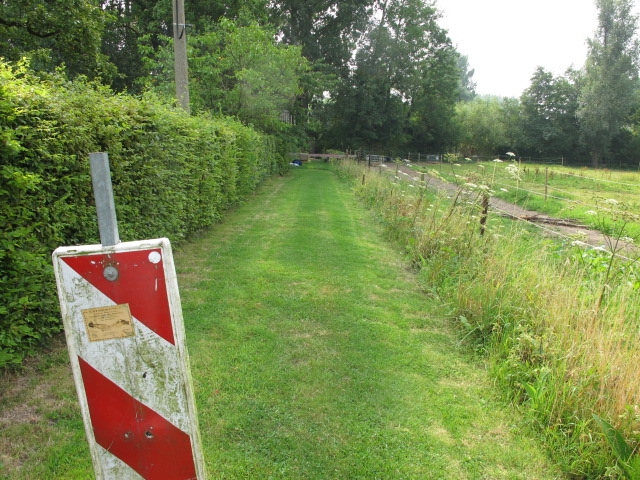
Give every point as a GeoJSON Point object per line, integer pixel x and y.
{"type": "Point", "coordinates": [180, 55]}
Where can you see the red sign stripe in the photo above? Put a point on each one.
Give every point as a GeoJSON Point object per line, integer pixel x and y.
{"type": "Point", "coordinates": [134, 433]}
{"type": "Point", "coordinates": [140, 283]}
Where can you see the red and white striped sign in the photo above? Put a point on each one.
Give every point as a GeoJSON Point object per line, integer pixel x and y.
{"type": "Point", "coordinates": [123, 322]}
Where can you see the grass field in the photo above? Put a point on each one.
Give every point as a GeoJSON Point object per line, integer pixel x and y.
{"type": "Point", "coordinates": [603, 199]}
{"type": "Point", "coordinates": [315, 354]}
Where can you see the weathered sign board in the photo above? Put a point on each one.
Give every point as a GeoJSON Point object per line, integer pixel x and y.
{"type": "Point", "coordinates": [123, 323]}
{"type": "Point", "coordinates": [126, 342]}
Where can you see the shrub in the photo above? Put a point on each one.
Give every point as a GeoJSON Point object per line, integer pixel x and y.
{"type": "Point", "coordinates": [172, 175]}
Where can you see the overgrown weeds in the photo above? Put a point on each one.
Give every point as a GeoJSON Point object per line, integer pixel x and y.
{"type": "Point", "coordinates": [559, 324]}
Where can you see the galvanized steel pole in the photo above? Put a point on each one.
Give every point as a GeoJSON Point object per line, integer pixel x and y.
{"type": "Point", "coordinates": [103, 193]}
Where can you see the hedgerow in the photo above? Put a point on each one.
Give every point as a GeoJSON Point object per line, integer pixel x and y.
{"type": "Point", "coordinates": [172, 175]}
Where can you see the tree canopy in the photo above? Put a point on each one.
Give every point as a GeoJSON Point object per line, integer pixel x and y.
{"type": "Point", "coordinates": [403, 84]}
{"type": "Point", "coordinates": [379, 75]}
{"type": "Point", "coordinates": [53, 34]}
{"type": "Point", "coordinates": [548, 114]}
{"type": "Point", "coordinates": [610, 76]}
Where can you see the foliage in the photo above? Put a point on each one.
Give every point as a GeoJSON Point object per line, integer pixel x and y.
{"type": "Point", "coordinates": [172, 175]}
{"type": "Point", "coordinates": [241, 72]}
{"type": "Point", "coordinates": [137, 28]}
{"type": "Point", "coordinates": [52, 34]}
{"type": "Point", "coordinates": [610, 78]}
{"type": "Point", "coordinates": [548, 121]}
{"type": "Point", "coordinates": [482, 126]}
{"type": "Point", "coordinates": [630, 463]}
{"type": "Point", "coordinates": [403, 86]}
{"type": "Point", "coordinates": [467, 85]}
{"type": "Point", "coordinates": [327, 30]}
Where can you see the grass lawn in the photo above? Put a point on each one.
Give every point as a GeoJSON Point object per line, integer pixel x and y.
{"type": "Point", "coordinates": [314, 355]}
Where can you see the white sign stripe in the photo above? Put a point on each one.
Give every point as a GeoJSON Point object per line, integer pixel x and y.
{"type": "Point", "coordinates": [113, 468]}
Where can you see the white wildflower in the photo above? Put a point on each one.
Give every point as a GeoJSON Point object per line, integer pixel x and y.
{"type": "Point", "coordinates": [471, 185]}
{"type": "Point", "coordinates": [513, 171]}
{"type": "Point", "coordinates": [591, 212]}
{"type": "Point", "coordinates": [497, 160]}
{"type": "Point", "coordinates": [611, 201]}
{"type": "Point", "coordinates": [504, 190]}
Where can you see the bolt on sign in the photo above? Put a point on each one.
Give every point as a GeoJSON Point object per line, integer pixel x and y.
{"type": "Point", "coordinates": [123, 322]}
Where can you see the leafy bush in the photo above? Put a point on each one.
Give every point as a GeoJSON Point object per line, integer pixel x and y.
{"type": "Point", "coordinates": [172, 175]}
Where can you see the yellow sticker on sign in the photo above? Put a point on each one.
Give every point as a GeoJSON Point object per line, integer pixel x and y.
{"type": "Point", "coordinates": [108, 323]}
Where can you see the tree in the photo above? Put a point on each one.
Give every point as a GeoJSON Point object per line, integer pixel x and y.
{"type": "Point", "coordinates": [548, 114]}
{"type": "Point", "coordinates": [55, 33]}
{"type": "Point", "coordinates": [327, 30]}
{"type": "Point", "coordinates": [610, 76]}
{"type": "Point", "coordinates": [467, 85]}
{"type": "Point", "coordinates": [138, 29]}
{"type": "Point", "coordinates": [239, 71]}
{"type": "Point", "coordinates": [483, 125]}
{"type": "Point", "coordinates": [403, 84]}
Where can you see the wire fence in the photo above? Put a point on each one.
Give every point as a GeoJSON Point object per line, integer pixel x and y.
{"type": "Point", "coordinates": [439, 158]}
{"type": "Point", "coordinates": [422, 179]}
{"type": "Point", "coordinates": [416, 158]}
{"type": "Point", "coordinates": [544, 189]}
{"type": "Point", "coordinates": [573, 161]}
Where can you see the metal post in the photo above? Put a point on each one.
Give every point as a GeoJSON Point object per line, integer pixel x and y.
{"type": "Point", "coordinates": [103, 193]}
{"type": "Point", "coordinates": [180, 55]}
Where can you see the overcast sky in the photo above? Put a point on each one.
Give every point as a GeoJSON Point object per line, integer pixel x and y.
{"type": "Point", "coordinates": [505, 40]}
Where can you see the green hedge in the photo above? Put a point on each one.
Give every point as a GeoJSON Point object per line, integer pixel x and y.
{"type": "Point", "coordinates": [172, 175]}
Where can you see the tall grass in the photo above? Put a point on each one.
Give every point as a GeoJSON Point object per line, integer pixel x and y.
{"type": "Point", "coordinates": [559, 325]}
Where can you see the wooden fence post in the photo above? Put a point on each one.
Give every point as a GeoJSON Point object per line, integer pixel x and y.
{"type": "Point", "coordinates": [546, 182]}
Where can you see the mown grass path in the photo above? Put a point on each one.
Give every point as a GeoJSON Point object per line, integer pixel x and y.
{"type": "Point", "coordinates": [316, 356]}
